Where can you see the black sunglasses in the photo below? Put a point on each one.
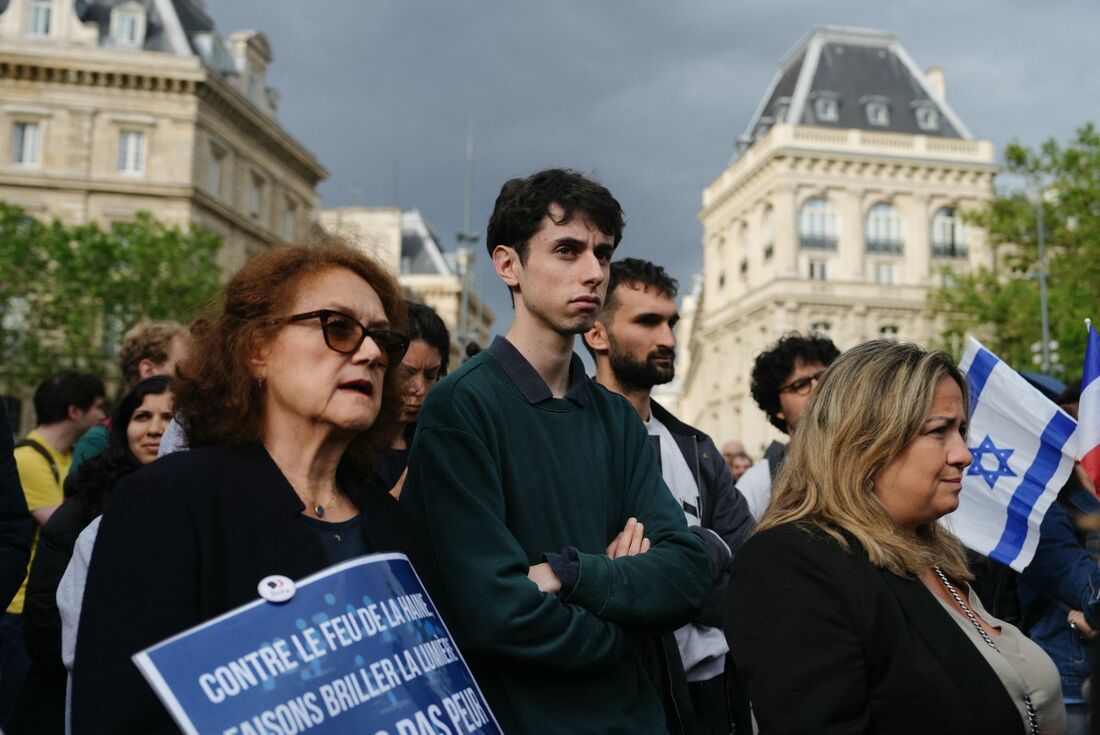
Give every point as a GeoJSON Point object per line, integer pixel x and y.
{"type": "Point", "coordinates": [344, 334]}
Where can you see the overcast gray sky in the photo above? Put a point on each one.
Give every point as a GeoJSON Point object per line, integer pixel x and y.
{"type": "Point", "coordinates": [646, 95]}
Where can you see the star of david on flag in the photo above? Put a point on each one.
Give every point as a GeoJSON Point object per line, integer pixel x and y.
{"type": "Point", "coordinates": [1024, 456]}
{"type": "Point", "coordinates": [1000, 457]}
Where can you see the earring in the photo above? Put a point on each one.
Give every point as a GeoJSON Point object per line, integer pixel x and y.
{"type": "Point", "coordinates": [260, 382]}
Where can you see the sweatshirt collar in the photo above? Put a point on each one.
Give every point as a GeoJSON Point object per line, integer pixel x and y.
{"type": "Point", "coordinates": [528, 380]}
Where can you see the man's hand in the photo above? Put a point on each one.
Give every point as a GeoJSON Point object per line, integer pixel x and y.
{"type": "Point", "coordinates": [543, 576]}
{"type": "Point", "coordinates": [1076, 620]}
{"type": "Point", "coordinates": [631, 541]}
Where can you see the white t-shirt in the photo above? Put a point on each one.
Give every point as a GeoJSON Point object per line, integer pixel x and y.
{"type": "Point", "coordinates": [702, 649]}
{"type": "Point", "coordinates": [756, 486]}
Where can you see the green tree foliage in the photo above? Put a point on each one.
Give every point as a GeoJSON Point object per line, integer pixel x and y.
{"type": "Point", "coordinates": [67, 294]}
{"type": "Point", "coordinates": [1000, 304]}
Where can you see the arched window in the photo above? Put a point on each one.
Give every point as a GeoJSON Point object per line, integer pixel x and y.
{"type": "Point", "coordinates": [948, 234]}
{"type": "Point", "coordinates": [816, 225]}
{"type": "Point", "coordinates": [768, 232]}
{"type": "Point", "coordinates": [882, 229]}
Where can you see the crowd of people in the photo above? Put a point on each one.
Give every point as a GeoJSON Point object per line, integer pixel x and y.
{"type": "Point", "coordinates": [602, 565]}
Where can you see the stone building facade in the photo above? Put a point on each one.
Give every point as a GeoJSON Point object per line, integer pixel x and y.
{"type": "Point", "coordinates": [110, 107]}
{"type": "Point", "coordinates": [404, 241]}
{"type": "Point", "coordinates": [840, 210]}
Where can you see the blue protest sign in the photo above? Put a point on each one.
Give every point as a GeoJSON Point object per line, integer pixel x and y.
{"type": "Point", "coordinates": [357, 648]}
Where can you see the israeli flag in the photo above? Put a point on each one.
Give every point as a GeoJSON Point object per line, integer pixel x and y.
{"type": "Point", "coordinates": [1023, 447]}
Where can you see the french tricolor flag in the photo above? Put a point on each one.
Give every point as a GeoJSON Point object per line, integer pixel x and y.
{"type": "Point", "coordinates": [1088, 410]}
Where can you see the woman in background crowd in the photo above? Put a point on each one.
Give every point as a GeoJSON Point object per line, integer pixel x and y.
{"type": "Point", "coordinates": [1059, 589]}
{"type": "Point", "coordinates": [286, 401]}
{"type": "Point", "coordinates": [425, 362]}
{"type": "Point", "coordinates": [852, 611]}
{"type": "Point", "coordinates": [133, 440]}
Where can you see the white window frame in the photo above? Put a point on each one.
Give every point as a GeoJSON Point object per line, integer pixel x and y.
{"type": "Point", "coordinates": [769, 233]}
{"type": "Point", "coordinates": [884, 274]}
{"type": "Point", "coordinates": [256, 196]}
{"type": "Point", "coordinates": [826, 109]}
{"type": "Point", "coordinates": [948, 234]}
{"type": "Point", "coordinates": [817, 225]}
{"type": "Point", "coordinates": [22, 154]}
{"type": "Point", "coordinates": [928, 117]}
{"type": "Point", "coordinates": [215, 166]}
{"type": "Point", "coordinates": [40, 18]}
{"type": "Point", "coordinates": [819, 270]}
{"type": "Point", "coordinates": [822, 329]}
{"type": "Point", "coordinates": [888, 331]}
{"type": "Point", "coordinates": [878, 113]}
{"type": "Point", "coordinates": [128, 17]}
{"type": "Point", "coordinates": [290, 220]}
{"type": "Point", "coordinates": [882, 229]}
{"type": "Point", "coordinates": [133, 147]}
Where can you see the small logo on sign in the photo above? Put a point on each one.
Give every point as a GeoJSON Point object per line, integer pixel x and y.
{"type": "Point", "coordinates": [276, 588]}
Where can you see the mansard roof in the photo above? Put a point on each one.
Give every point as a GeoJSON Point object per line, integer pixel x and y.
{"type": "Point", "coordinates": [853, 67]}
{"type": "Point", "coordinates": [421, 251]}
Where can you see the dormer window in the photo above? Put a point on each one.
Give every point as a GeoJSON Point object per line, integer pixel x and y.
{"type": "Point", "coordinates": [782, 105]}
{"type": "Point", "coordinates": [928, 117]}
{"type": "Point", "coordinates": [878, 110]}
{"type": "Point", "coordinates": [39, 18]}
{"type": "Point", "coordinates": [128, 25]}
{"type": "Point", "coordinates": [826, 108]}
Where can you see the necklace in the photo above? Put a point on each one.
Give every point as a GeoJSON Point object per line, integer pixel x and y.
{"type": "Point", "coordinates": [319, 510]}
{"type": "Point", "coordinates": [1032, 720]}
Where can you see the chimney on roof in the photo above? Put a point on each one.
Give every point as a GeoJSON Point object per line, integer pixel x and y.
{"type": "Point", "coordinates": [934, 76]}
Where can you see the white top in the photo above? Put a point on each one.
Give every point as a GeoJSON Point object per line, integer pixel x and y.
{"type": "Point", "coordinates": [756, 486]}
{"type": "Point", "coordinates": [703, 649]}
{"type": "Point", "coordinates": [1021, 665]}
{"type": "Point", "coordinates": [70, 598]}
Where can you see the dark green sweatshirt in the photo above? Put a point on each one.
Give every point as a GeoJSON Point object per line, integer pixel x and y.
{"type": "Point", "coordinates": [501, 473]}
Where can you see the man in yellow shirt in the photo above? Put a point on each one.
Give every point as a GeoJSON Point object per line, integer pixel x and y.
{"type": "Point", "coordinates": [66, 405]}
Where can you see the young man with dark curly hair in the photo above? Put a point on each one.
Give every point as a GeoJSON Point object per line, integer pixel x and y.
{"type": "Point", "coordinates": [783, 379]}
{"type": "Point", "coordinates": [558, 547]}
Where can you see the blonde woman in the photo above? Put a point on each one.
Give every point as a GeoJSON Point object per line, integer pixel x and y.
{"type": "Point", "coordinates": [850, 610]}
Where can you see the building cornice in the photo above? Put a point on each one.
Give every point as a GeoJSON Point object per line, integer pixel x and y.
{"type": "Point", "coordinates": [148, 72]}
{"type": "Point", "coordinates": [849, 145]}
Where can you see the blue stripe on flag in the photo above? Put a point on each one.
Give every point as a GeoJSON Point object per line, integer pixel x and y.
{"type": "Point", "coordinates": [978, 374]}
{"type": "Point", "coordinates": [1032, 486]}
{"type": "Point", "coordinates": [1091, 370]}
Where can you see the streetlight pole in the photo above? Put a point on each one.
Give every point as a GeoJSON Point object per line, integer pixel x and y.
{"type": "Point", "coordinates": [466, 254]}
{"type": "Point", "coordinates": [1044, 315]}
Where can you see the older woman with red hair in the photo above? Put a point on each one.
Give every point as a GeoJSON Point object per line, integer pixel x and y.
{"type": "Point", "coordinates": [286, 401]}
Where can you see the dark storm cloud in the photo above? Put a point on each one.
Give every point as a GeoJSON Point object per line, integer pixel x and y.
{"type": "Point", "coordinates": [646, 95]}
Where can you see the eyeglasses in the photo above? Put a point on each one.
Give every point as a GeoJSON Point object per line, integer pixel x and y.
{"type": "Point", "coordinates": [345, 335]}
{"type": "Point", "coordinates": [801, 386]}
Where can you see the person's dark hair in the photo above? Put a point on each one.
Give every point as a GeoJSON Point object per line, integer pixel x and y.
{"type": "Point", "coordinates": [55, 394]}
{"type": "Point", "coordinates": [522, 203]}
{"type": "Point", "coordinates": [1072, 393]}
{"type": "Point", "coordinates": [96, 479]}
{"type": "Point", "coordinates": [637, 272]}
{"type": "Point", "coordinates": [773, 366]}
{"type": "Point", "coordinates": [633, 272]}
{"type": "Point", "coordinates": [218, 399]}
{"type": "Point", "coordinates": [426, 325]}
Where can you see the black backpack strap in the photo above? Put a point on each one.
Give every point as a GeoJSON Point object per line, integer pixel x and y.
{"type": "Point", "coordinates": [45, 455]}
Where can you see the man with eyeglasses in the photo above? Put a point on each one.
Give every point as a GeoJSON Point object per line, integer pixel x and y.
{"type": "Point", "coordinates": [537, 494]}
{"type": "Point", "coordinates": [783, 379]}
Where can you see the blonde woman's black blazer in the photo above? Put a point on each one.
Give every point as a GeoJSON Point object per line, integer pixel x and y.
{"type": "Point", "coordinates": [828, 644]}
